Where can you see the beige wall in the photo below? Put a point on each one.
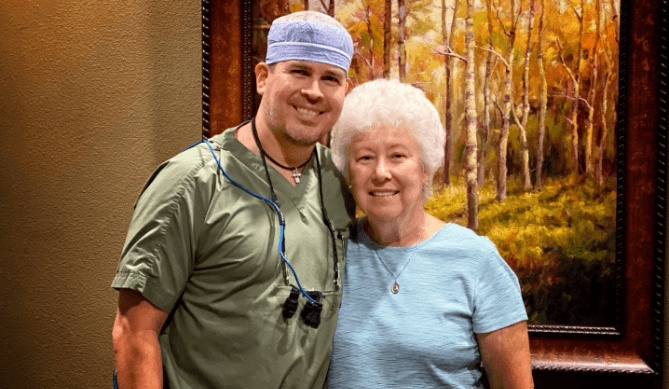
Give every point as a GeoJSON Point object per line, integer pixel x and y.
{"type": "Point", "coordinates": [93, 95]}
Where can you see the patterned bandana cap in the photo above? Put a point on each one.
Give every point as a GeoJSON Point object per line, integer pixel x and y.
{"type": "Point", "coordinates": [309, 36]}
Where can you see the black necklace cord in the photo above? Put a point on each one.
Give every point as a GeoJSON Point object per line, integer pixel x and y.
{"type": "Point", "coordinates": [326, 219]}
{"type": "Point", "coordinates": [327, 222]}
{"type": "Point", "coordinates": [286, 167]}
{"type": "Point", "coordinates": [263, 154]}
{"type": "Point", "coordinates": [264, 162]}
{"type": "Point", "coordinates": [271, 190]}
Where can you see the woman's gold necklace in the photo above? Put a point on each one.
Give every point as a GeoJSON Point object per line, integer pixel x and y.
{"type": "Point", "coordinates": [395, 286]}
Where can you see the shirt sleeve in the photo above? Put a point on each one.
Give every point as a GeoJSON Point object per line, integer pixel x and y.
{"type": "Point", "coordinates": [498, 301]}
{"type": "Point", "coordinates": [159, 251]}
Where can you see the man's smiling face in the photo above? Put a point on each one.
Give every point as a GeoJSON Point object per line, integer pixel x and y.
{"type": "Point", "coordinates": [303, 99]}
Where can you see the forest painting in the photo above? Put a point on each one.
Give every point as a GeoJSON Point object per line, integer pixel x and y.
{"type": "Point", "coordinates": [528, 93]}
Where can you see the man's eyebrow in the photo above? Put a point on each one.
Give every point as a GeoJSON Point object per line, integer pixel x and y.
{"type": "Point", "coordinates": [336, 73]}
{"type": "Point", "coordinates": [333, 72]}
{"type": "Point", "coordinates": [298, 64]}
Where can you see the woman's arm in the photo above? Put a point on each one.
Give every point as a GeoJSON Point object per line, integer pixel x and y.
{"type": "Point", "coordinates": [506, 357]}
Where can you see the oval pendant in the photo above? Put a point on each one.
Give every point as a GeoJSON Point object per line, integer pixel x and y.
{"type": "Point", "coordinates": [395, 287]}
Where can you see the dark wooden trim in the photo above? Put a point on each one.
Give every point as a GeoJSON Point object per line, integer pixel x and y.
{"type": "Point", "coordinates": [223, 64]}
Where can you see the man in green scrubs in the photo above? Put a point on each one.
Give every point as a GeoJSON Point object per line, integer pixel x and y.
{"type": "Point", "coordinates": [230, 274]}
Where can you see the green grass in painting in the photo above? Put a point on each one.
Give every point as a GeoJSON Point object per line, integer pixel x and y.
{"type": "Point", "coordinates": [560, 241]}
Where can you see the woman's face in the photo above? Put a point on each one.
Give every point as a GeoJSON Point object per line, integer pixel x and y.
{"type": "Point", "coordinates": [386, 175]}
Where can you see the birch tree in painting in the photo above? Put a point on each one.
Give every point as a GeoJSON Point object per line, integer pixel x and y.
{"type": "Point", "coordinates": [575, 76]}
{"type": "Point", "coordinates": [448, 38]}
{"type": "Point", "coordinates": [487, 104]}
{"type": "Point", "coordinates": [525, 108]}
{"type": "Point", "coordinates": [543, 100]}
{"type": "Point", "coordinates": [604, 107]}
{"type": "Point", "coordinates": [471, 119]}
{"type": "Point", "coordinates": [401, 38]}
{"type": "Point", "coordinates": [590, 102]}
{"type": "Point", "coordinates": [370, 34]}
{"type": "Point", "coordinates": [503, 143]}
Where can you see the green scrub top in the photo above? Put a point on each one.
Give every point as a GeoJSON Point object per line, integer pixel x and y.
{"type": "Point", "coordinates": [206, 252]}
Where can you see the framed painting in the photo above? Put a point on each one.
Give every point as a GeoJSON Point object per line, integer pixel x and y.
{"type": "Point", "coordinates": [582, 203]}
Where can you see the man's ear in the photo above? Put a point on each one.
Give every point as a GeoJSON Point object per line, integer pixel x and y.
{"type": "Point", "coordinates": [349, 85]}
{"type": "Point", "coordinates": [262, 72]}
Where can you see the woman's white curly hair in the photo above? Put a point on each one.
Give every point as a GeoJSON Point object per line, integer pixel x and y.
{"type": "Point", "coordinates": [390, 103]}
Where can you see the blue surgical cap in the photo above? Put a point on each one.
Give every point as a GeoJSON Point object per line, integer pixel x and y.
{"type": "Point", "coordinates": [309, 36]}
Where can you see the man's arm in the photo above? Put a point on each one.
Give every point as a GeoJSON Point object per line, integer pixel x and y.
{"type": "Point", "coordinates": [135, 339]}
{"type": "Point", "coordinates": [506, 357]}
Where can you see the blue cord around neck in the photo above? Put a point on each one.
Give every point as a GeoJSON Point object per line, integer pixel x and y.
{"type": "Point", "coordinates": [273, 204]}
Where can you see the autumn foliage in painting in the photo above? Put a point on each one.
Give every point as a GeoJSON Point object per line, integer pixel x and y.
{"type": "Point", "coordinates": [528, 92]}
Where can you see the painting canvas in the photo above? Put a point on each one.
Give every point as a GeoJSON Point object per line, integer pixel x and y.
{"type": "Point", "coordinates": [528, 92]}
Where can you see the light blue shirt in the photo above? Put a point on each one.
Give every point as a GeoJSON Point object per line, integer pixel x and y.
{"type": "Point", "coordinates": [455, 285]}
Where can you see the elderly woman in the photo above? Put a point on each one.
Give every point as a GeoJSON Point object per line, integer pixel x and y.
{"type": "Point", "coordinates": [425, 303]}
